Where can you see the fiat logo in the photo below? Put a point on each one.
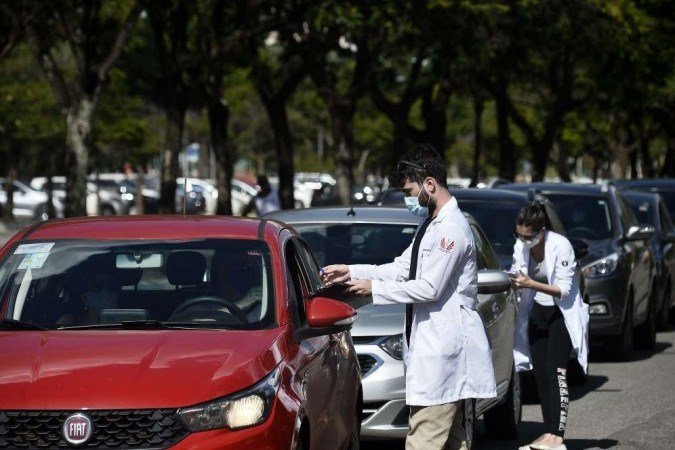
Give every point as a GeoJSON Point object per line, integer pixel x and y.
{"type": "Point", "coordinates": [77, 429]}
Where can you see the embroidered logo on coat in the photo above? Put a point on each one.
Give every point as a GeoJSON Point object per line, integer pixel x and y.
{"type": "Point", "coordinates": [446, 245]}
{"type": "Point", "coordinates": [565, 263]}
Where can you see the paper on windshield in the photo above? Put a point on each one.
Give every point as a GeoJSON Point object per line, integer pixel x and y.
{"type": "Point", "coordinates": [33, 261]}
{"type": "Point", "coordinates": [42, 247]}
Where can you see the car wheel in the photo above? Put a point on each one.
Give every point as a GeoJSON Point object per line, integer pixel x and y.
{"type": "Point", "coordinates": [469, 417]}
{"type": "Point", "coordinates": [503, 420]}
{"type": "Point", "coordinates": [622, 345]}
{"type": "Point", "coordinates": [107, 210]}
{"type": "Point", "coordinates": [645, 334]}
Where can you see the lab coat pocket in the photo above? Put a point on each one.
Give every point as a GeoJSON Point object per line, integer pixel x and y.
{"type": "Point", "coordinates": [477, 353]}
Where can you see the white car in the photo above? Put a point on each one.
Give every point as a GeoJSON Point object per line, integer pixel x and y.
{"type": "Point", "coordinates": [207, 189]}
{"type": "Point", "coordinates": [104, 203]}
{"type": "Point", "coordinates": [29, 203]}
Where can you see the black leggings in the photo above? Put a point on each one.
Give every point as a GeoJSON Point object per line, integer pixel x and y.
{"type": "Point", "coordinates": [550, 349]}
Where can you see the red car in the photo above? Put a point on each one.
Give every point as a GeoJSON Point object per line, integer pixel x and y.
{"type": "Point", "coordinates": [169, 331]}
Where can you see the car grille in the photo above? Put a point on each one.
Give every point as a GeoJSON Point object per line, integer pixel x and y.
{"type": "Point", "coordinates": [153, 428]}
{"type": "Point", "coordinates": [366, 362]}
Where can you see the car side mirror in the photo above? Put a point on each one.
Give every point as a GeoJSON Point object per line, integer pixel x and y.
{"type": "Point", "coordinates": [493, 282]}
{"type": "Point", "coordinates": [580, 248]}
{"type": "Point", "coordinates": [326, 316]}
{"type": "Point", "coordinates": [640, 233]}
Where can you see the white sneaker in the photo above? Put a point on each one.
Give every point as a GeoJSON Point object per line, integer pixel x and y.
{"type": "Point", "coordinates": [546, 447]}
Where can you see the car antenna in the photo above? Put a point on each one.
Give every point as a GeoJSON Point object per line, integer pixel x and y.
{"type": "Point", "coordinates": [351, 212]}
{"type": "Point", "coordinates": [184, 193]}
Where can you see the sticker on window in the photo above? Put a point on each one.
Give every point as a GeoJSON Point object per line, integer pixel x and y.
{"type": "Point", "coordinates": [33, 261]}
{"type": "Point", "coordinates": [42, 247]}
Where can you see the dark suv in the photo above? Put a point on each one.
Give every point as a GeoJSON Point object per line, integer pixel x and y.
{"type": "Point", "coordinates": [619, 269]}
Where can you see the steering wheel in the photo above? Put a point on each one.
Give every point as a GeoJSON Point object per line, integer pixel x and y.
{"type": "Point", "coordinates": [583, 232]}
{"type": "Point", "coordinates": [211, 299]}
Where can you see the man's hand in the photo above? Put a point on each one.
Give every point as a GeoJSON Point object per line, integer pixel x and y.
{"type": "Point", "coordinates": [361, 288]}
{"type": "Point", "coordinates": [335, 273]}
{"type": "Point", "coordinates": [522, 281]}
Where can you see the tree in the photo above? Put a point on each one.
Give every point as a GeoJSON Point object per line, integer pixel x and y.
{"type": "Point", "coordinates": [77, 42]}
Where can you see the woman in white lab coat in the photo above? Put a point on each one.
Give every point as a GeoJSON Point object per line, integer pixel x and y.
{"type": "Point", "coordinates": [552, 322]}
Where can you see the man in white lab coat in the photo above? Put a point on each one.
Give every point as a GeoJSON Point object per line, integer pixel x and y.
{"type": "Point", "coordinates": [446, 351]}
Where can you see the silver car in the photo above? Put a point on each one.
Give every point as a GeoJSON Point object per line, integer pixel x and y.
{"type": "Point", "coordinates": [370, 235]}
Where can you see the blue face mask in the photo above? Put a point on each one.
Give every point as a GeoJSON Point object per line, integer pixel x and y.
{"type": "Point", "coordinates": [413, 204]}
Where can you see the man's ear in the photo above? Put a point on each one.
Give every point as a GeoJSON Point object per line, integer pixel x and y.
{"type": "Point", "coordinates": [430, 185]}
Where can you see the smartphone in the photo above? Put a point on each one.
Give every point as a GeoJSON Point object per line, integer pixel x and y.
{"type": "Point", "coordinates": [512, 274]}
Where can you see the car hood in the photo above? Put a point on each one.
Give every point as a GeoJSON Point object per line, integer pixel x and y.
{"type": "Point", "coordinates": [97, 369]}
{"type": "Point", "coordinates": [378, 320]}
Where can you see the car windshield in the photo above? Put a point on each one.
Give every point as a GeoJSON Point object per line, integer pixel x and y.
{"type": "Point", "coordinates": [584, 216]}
{"type": "Point", "coordinates": [211, 283]}
{"type": "Point", "coordinates": [669, 200]}
{"type": "Point", "coordinates": [644, 213]}
{"type": "Point", "coordinates": [359, 243]}
{"type": "Point", "coordinates": [499, 232]}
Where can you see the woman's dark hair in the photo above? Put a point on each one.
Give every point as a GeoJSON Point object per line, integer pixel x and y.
{"type": "Point", "coordinates": [533, 215]}
{"type": "Point", "coordinates": [417, 164]}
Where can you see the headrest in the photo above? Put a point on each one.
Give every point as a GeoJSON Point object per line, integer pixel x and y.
{"type": "Point", "coordinates": [129, 277]}
{"type": "Point", "coordinates": [185, 268]}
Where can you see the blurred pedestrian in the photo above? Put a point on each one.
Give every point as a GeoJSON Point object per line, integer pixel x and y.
{"type": "Point", "coordinates": [446, 351]}
{"type": "Point", "coordinates": [552, 323]}
{"type": "Point", "coordinates": [266, 201]}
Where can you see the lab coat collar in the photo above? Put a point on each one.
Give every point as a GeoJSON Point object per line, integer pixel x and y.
{"type": "Point", "coordinates": [447, 209]}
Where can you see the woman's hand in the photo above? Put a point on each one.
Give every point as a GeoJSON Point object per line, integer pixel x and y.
{"type": "Point", "coordinates": [522, 281]}
{"type": "Point", "coordinates": [335, 273]}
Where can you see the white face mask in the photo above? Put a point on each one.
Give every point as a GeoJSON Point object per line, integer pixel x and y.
{"type": "Point", "coordinates": [413, 204]}
{"type": "Point", "coordinates": [534, 242]}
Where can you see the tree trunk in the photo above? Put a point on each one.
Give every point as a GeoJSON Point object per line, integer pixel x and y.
{"type": "Point", "coordinates": [219, 116]}
{"type": "Point", "coordinates": [633, 164]}
{"type": "Point", "coordinates": [561, 166]}
{"type": "Point", "coordinates": [507, 149]}
{"type": "Point", "coordinates": [342, 126]}
{"type": "Point", "coordinates": [477, 140]}
{"type": "Point", "coordinates": [645, 155]}
{"type": "Point", "coordinates": [668, 168]}
{"type": "Point", "coordinates": [78, 127]}
{"type": "Point", "coordinates": [8, 211]}
{"type": "Point", "coordinates": [276, 112]}
{"type": "Point", "coordinates": [175, 124]}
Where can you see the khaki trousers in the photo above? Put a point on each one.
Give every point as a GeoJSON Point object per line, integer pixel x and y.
{"type": "Point", "coordinates": [438, 427]}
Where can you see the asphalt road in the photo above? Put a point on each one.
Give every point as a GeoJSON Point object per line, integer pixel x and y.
{"type": "Point", "coordinates": [623, 405]}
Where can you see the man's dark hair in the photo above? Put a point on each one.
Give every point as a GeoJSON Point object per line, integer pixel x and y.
{"type": "Point", "coordinates": [533, 215]}
{"type": "Point", "coordinates": [416, 165]}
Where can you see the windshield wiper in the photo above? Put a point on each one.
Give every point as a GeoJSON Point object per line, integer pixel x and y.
{"type": "Point", "coordinates": [11, 324]}
{"type": "Point", "coordinates": [136, 325]}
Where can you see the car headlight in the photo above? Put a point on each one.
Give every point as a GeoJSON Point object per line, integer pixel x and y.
{"type": "Point", "coordinates": [601, 267]}
{"type": "Point", "coordinates": [245, 409]}
{"type": "Point", "coordinates": [393, 346]}
{"type": "Point", "coordinates": [127, 196]}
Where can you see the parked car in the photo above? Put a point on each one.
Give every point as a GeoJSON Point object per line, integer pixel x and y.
{"type": "Point", "coordinates": [663, 186]}
{"type": "Point", "coordinates": [205, 198]}
{"type": "Point", "coordinates": [371, 235]}
{"type": "Point", "coordinates": [181, 332]}
{"type": "Point", "coordinates": [242, 193]}
{"type": "Point", "coordinates": [103, 202]}
{"type": "Point", "coordinates": [125, 186]}
{"type": "Point", "coordinates": [29, 203]}
{"type": "Point", "coordinates": [619, 269]}
{"type": "Point", "coordinates": [650, 210]}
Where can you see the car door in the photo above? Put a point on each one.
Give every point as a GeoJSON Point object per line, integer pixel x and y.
{"type": "Point", "coordinates": [642, 267]}
{"type": "Point", "coordinates": [498, 314]}
{"type": "Point", "coordinates": [667, 249]}
{"type": "Point", "coordinates": [319, 371]}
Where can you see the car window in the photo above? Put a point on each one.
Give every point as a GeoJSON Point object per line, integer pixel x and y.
{"type": "Point", "coordinates": [311, 267]}
{"type": "Point", "coordinates": [584, 216]}
{"type": "Point", "coordinates": [298, 281]}
{"type": "Point", "coordinates": [480, 248]}
{"type": "Point", "coordinates": [666, 220]}
{"type": "Point", "coordinates": [214, 283]}
{"type": "Point", "coordinates": [490, 260]}
{"type": "Point", "coordinates": [669, 199]}
{"type": "Point", "coordinates": [356, 243]}
{"type": "Point", "coordinates": [642, 210]}
{"type": "Point", "coordinates": [628, 219]}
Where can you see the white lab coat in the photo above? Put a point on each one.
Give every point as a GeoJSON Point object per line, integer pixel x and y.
{"type": "Point", "coordinates": [449, 358]}
{"type": "Point", "coordinates": [560, 271]}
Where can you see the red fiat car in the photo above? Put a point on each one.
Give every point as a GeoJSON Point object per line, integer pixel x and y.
{"type": "Point", "coordinates": [182, 332]}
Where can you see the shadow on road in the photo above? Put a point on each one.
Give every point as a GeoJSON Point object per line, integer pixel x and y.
{"type": "Point", "coordinates": [598, 354]}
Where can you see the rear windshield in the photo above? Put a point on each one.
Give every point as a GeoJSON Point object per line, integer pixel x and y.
{"type": "Point", "coordinates": [356, 243]}
{"type": "Point", "coordinates": [584, 216]}
{"type": "Point", "coordinates": [498, 221]}
{"type": "Point", "coordinates": [212, 283]}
